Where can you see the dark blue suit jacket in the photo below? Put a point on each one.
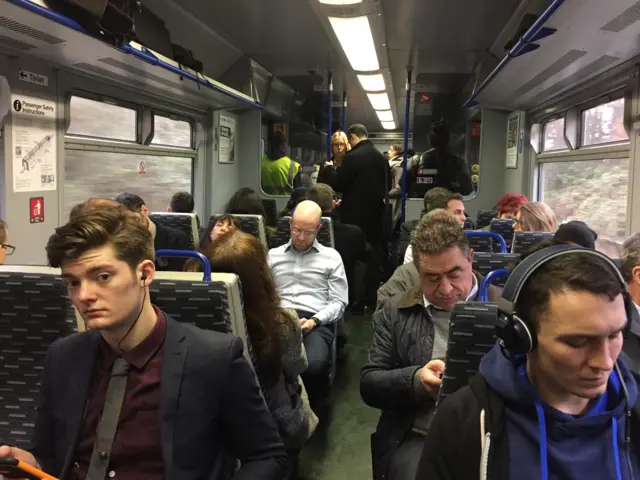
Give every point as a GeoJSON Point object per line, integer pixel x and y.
{"type": "Point", "coordinates": [211, 407]}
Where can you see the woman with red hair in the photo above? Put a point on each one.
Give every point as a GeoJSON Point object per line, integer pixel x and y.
{"type": "Point", "coordinates": [509, 205]}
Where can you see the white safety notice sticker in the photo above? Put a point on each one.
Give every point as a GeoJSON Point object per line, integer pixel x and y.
{"type": "Point", "coordinates": [34, 135]}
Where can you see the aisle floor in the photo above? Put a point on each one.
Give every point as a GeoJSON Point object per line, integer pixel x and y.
{"type": "Point", "coordinates": [341, 450]}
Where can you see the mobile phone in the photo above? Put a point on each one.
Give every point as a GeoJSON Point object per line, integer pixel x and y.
{"type": "Point", "coordinates": [13, 468]}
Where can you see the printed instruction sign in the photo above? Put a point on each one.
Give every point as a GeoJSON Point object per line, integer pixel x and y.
{"type": "Point", "coordinates": [34, 144]}
{"type": "Point", "coordinates": [513, 134]}
{"type": "Point", "coordinates": [36, 210]}
{"type": "Point", "coordinates": [227, 139]}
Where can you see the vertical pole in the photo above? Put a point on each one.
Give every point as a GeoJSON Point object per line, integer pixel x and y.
{"type": "Point", "coordinates": [344, 112]}
{"type": "Point", "coordinates": [407, 107]}
{"type": "Point", "coordinates": [330, 112]}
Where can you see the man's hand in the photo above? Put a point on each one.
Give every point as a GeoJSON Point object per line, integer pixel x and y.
{"type": "Point", "coordinates": [307, 325]}
{"type": "Point", "coordinates": [431, 376]}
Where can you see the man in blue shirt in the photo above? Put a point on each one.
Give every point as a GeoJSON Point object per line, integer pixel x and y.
{"type": "Point", "coordinates": [311, 280]}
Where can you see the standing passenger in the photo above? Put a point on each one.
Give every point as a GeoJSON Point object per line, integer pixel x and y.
{"type": "Point", "coordinates": [139, 395]}
{"type": "Point", "coordinates": [279, 174]}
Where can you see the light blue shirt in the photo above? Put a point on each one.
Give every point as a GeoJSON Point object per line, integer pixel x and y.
{"type": "Point", "coordinates": [313, 281]}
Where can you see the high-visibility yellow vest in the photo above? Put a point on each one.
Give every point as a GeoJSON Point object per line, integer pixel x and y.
{"type": "Point", "coordinates": [276, 176]}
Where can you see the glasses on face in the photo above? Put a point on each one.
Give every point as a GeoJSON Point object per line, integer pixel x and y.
{"type": "Point", "coordinates": [302, 233]}
{"type": "Point", "coordinates": [8, 248]}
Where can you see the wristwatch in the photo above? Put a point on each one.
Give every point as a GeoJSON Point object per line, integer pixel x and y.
{"type": "Point", "coordinates": [315, 320]}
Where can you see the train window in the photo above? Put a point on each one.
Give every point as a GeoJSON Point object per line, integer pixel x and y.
{"type": "Point", "coordinates": [172, 133]}
{"type": "Point", "coordinates": [604, 124]}
{"type": "Point", "coordinates": [107, 174]}
{"type": "Point", "coordinates": [554, 136]}
{"type": "Point", "coordinates": [90, 118]}
{"type": "Point", "coordinates": [594, 191]}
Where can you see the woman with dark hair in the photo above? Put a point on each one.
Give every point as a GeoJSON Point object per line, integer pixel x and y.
{"type": "Point", "coordinates": [274, 333]}
{"type": "Point", "coordinates": [245, 201]}
{"type": "Point", "coordinates": [223, 224]}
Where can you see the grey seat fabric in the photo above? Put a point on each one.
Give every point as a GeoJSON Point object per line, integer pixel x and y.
{"type": "Point", "coordinates": [215, 305]}
{"type": "Point", "coordinates": [523, 241]}
{"type": "Point", "coordinates": [252, 224]}
{"type": "Point", "coordinates": [503, 227]}
{"type": "Point", "coordinates": [185, 222]}
{"type": "Point", "coordinates": [471, 336]}
{"type": "Point", "coordinates": [485, 217]}
{"type": "Point", "coordinates": [325, 236]}
{"type": "Point", "coordinates": [485, 262]}
{"type": "Point", "coordinates": [34, 312]}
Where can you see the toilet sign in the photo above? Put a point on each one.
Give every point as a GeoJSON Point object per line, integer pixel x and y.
{"type": "Point", "coordinates": [142, 168]}
{"type": "Point", "coordinates": [36, 209]}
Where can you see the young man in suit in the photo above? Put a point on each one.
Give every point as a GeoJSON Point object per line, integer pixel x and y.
{"type": "Point", "coordinates": [139, 395]}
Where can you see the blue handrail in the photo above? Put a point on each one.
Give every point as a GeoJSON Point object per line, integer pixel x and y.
{"type": "Point", "coordinates": [189, 254]}
{"type": "Point", "coordinates": [405, 145]}
{"type": "Point", "coordinates": [483, 291]}
{"type": "Point", "coordinates": [517, 49]}
{"type": "Point", "coordinates": [495, 236]}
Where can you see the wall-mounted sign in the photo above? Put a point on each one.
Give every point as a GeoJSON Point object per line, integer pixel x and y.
{"type": "Point", "coordinates": [36, 210]}
{"type": "Point", "coordinates": [424, 106]}
{"type": "Point", "coordinates": [142, 168]}
{"type": "Point", "coordinates": [227, 138]}
{"type": "Point", "coordinates": [476, 130]}
{"type": "Point", "coordinates": [34, 143]}
{"type": "Point", "coordinates": [31, 77]}
{"type": "Point", "coordinates": [425, 99]}
{"type": "Point", "coordinates": [280, 127]}
{"type": "Point", "coordinates": [513, 134]}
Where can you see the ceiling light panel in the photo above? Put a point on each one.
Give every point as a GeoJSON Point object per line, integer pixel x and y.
{"type": "Point", "coordinates": [340, 2]}
{"type": "Point", "coordinates": [356, 39]}
{"type": "Point", "coordinates": [379, 101]}
{"type": "Point", "coordinates": [372, 83]}
{"type": "Point", "coordinates": [389, 125]}
{"type": "Point", "coordinates": [385, 115]}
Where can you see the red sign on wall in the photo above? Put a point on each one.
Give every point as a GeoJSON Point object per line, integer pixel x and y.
{"type": "Point", "coordinates": [36, 210]}
{"type": "Point", "coordinates": [476, 129]}
{"type": "Point", "coordinates": [425, 99]}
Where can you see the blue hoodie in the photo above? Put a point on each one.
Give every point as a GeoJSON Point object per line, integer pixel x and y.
{"type": "Point", "coordinates": [545, 443]}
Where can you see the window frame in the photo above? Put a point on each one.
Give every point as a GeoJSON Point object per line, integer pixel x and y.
{"type": "Point", "coordinates": [178, 118]}
{"type": "Point", "coordinates": [545, 124]}
{"type": "Point", "coordinates": [109, 101]}
{"type": "Point", "coordinates": [594, 104]}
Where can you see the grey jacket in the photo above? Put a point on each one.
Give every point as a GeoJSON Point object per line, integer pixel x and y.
{"type": "Point", "coordinates": [287, 399]}
{"type": "Point", "coordinates": [402, 344]}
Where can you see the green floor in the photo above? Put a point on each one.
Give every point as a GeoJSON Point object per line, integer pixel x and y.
{"type": "Point", "coordinates": [340, 450]}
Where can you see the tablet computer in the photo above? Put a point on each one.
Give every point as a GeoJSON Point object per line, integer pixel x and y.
{"type": "Point", "coordinates": [12, 468]}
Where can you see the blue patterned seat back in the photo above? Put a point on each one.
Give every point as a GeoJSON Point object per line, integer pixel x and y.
{"type": "Point", "coordinates": [481, 244]}
{"type": "Point", "coordinates": [252, 224]}
{"type": "Point", "coordinates": [185, 222]}
{"type": "Point", "coordinates": [34, 312]}
{"type": "Point", "coordinates": [485, 262]}
{"type": "Point", "coordinates": [524, 241]}
{"type": "Point", "coordinates": [485, 217]}
{"type": "Point", "coordinates": [215, 305]}
{"type": "Point", "coordinates": [504, 228]}
{"type": "Point", "coordinates": [471, 336]}
{"type": "Point", "coordinates": [325, 235]}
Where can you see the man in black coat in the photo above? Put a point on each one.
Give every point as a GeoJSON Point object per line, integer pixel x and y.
{"type": "Point", "coordinates": [364, 181]}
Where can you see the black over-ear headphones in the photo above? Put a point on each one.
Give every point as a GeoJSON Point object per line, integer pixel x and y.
{"type": "Point", "coordinates": [518, 334]}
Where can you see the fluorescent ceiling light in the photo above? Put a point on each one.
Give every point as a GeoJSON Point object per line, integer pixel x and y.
{"type": "Point", "coordinates": [389, 125]}
{"type": "Point", "coordinates": [379, 101]}
{"type": "Point", "coordinates": [356, 39]}
{"type": "Point", "coordinates": [372, 83]}
{"type": "Point", "coordinates": [340, 2]}
{"type": "Point", "coordinates": [385, 115]}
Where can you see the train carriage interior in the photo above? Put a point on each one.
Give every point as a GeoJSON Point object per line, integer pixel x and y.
{"type": "Point", "coordinates": [540, 98]}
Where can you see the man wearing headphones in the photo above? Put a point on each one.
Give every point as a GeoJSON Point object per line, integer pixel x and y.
{"type": "Point", "coordinates": [139, 395]}
{"type": "Point", "coordinates": [552, 399]}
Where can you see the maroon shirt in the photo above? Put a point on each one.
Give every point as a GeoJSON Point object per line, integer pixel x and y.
{"type": "Point", "coordinates": [137, 447]}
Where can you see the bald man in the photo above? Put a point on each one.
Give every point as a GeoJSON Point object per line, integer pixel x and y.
{"type": "Point", "coordinates": [311, 280]}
